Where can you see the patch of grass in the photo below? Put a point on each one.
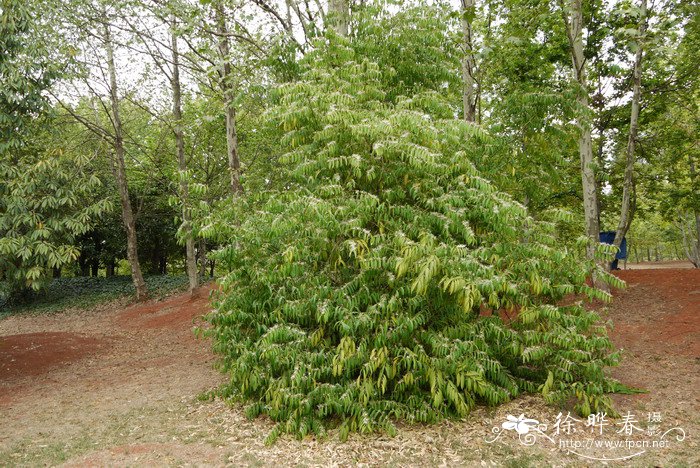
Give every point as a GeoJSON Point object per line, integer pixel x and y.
{"type": "Point", "coordinates": [525, 461]}
{"type": "Point", "coordinates": [44, 452]}
{"type": "Point", "coordinates": [85, 292]}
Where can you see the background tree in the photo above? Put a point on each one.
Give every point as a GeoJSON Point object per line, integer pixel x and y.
{"type": "Point", "coordinates": [574, 22]}
{"type": "Point", "coordinates": [45, 195]}
{"type": "Point", "coordinates": [627, 210]}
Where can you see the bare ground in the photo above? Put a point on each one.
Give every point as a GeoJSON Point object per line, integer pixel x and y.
{"type": "Point", "coordinates": [118, 386]}
{"type": "Point", "coordinates": [673, 264]}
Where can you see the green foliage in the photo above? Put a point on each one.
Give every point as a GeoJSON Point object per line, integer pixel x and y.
{"type": "Point", "coordinates": [371, 288]}
{"type": "Point", "coordinates": [42, 192]}
{"type": "Point", "coordinates": [530, 105]}
{"type": "Point", "coordinates": [414, 48]}
{"type": "Point", "coordinates": [42, 210]}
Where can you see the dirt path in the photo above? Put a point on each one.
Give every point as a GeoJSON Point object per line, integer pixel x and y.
{"type": "Point", "coordinates": [673, 264]}
{"type": "Point", "coordinates": [119, 386]}
{"type": "Point", "coordinates": [71, 376]}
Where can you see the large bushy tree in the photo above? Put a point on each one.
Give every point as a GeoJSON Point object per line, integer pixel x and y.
{"type": "Point", "coordinates": [388, 280]}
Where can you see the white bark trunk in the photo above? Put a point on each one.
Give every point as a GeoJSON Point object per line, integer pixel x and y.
{"type": "Point", "coordinates": [339, 16]}
{"type": "Point", "coordinates": [588, 182]}
{"type": "Point", "coordinates": [229, 96]}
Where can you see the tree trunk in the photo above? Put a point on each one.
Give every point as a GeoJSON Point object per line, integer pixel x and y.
{"type": "Point", "coordinates": [626, 213]}
{"type": "Point", "coordinates": [120, 173]}
{"type": "Point", "coordinates": [588, 180]}
{"type": "Point", "coordinates": [600, 158]}
{"type": "Point", "coordinates": [202, 257]}
{"type": "Point", "coordinates": [190, 260]}
{"type": "Point", "coordinates": [468, 63]}
{"type": "Point", "coordinates": [95, 261]}
{"type": "Point", "coordinates": [84, 266]}
{"type": "Point", "coordinates": [339, 16]}
{"type": "Point", "coordinates": [110, 267]}
{"type": "Point", "coordinates": [227, 87]}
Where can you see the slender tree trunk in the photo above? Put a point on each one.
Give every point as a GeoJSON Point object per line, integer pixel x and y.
{"type": "Point", "coordinates": [84, 266]}
{"type": "Point", "coordinates": [227, 86]}
{"type": "Point", "coordinates": [468, 63]}
{"type": "Point", "coordinates": [120, 173]}
{"type": "Point", "coordinates": [600, 154]}
{"type": "Point", "coordinates": [95, 262]}
{"type": "Point", "coordinates": [588, 180]}
{"type": "Point", "coordinates": [190, 260]}
{"type": "Point", "coordinates": [202, 257]}
{"type": "Point", "coordinates": [339, 16]}
{"type": "Point", "coordinates": [626, 213]}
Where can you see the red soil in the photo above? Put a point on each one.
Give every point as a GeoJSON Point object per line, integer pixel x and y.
{"type": "Point", "coordinates": [37, 353]}
{"type": "Point", "coordinates": [114, 341]}
{"type": "Point", "coordinates": [172, 313]}
{"type": "Point", "coordinates": [659, 311]}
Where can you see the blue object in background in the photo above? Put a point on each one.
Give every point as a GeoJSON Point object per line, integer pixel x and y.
{"type": "Point", "coordinates": [608, 237]}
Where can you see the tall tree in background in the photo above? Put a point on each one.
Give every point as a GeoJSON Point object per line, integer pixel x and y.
{"type": "Point", "coordinates": [119, 166]}
{"type": "Point", "coordinates": [186, 227]}
{"type": "Point", "coordinates": [573, 20]}
{"type": "Point", "coordinates": [627, 208]}
{"type": "Point", "coordinates": [339, 16]}
{"type": "Point", "coordinates": [229, 94]}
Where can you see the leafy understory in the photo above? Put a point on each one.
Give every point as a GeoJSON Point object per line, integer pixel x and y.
{"type": "Point", "coordinates": [370, 289]}
{"type": "Point", "coordinates": [84, 292]}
